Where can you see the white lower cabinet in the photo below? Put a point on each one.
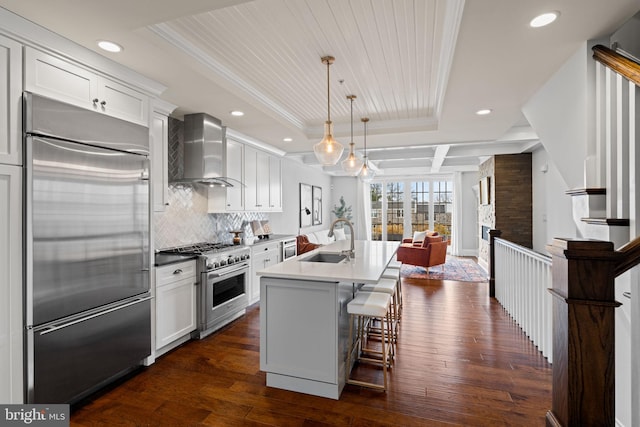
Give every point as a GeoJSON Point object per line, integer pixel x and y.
{"type": "Point", "coordinates": [175, 304]}
{"type": "Point", "coordinates": [11, 330]}
{"type": "Point", "coordinates": [263, 255]}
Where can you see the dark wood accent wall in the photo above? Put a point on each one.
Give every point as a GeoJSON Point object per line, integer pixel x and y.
{"type": "Point", "coordinates": [513, 200]}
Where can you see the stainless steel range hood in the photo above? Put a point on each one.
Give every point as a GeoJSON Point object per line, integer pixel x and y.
{"type": "Point", "coordinates": [204, 146]}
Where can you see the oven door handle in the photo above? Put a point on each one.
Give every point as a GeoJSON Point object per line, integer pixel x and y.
{"type": "Point", "coordinates": [226, 272]}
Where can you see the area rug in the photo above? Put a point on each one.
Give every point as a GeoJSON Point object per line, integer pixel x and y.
{"type": "Point", "coordinates": [460, 269]}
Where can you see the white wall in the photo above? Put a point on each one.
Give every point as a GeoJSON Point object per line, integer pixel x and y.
{"type": "Point", "coordinates": [552, 209]}
{"type": "Point", "coordinates": [294, 173]}
{"type": "Point", "coordinates": [558, 113]}
{"type": "Point", "coordinates": [470, 229]}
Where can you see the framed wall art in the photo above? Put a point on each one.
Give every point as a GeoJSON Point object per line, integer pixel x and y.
{"type": "Point", "coordinates": [317, 205]}
{"type": "Point", "coordinates": [306, 205]}
{"type": "Point", "coordinates": [485, 190]}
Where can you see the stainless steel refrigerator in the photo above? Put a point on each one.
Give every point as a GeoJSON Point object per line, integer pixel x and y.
{"type": "Point", "coordinates": [87, 300]}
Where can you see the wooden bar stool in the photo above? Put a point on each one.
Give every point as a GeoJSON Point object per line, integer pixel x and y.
{"type": "Point", "coordinates": [365, 307]}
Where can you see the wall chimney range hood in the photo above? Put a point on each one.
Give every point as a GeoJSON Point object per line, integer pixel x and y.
{"type": "Point", "coordinates": [204, 149]}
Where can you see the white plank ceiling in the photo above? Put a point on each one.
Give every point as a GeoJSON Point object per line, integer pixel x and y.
{"type": "Point", "coordinates": [419, 68]}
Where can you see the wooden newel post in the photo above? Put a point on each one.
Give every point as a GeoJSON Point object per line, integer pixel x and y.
{"type": "Point", "coordinates": [492, 261]}
{"type": "Point", "coordinates": [583, 333]}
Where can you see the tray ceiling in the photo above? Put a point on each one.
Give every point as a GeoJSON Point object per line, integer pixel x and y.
{"type": "Point", "coordinates": [419, 68]}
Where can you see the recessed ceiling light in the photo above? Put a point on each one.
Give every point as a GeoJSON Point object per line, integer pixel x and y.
{"type": "Point", "coordinates": [483, 112]}
{"type": "Point", "coordinates": [544, 19]}
{"type": "Point", "coordinates": [109, 46]}
{"type": "Point", "coordinates": [287, 139]}
{"type": "Point", "coordinates": [237, 113]}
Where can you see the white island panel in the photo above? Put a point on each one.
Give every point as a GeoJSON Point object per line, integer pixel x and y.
{"type": "Point", "coordinates": [304, 323]}
{"type": "Point", "coordinates": [302, 313]}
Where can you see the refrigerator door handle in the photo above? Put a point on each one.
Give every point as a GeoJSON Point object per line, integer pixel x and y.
{"type": "Point", "coordinates": [54, 328]}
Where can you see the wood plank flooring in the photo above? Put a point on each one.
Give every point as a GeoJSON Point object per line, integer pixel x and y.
{"type": "Point", "coordinates": [460, 361]}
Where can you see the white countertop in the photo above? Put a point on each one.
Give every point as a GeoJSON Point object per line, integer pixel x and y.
{"type": "Point", "coordinates": [372, 257]}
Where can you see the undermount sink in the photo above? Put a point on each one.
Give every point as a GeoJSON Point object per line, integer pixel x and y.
{"type": "Point", "coordinates": [325, 257]}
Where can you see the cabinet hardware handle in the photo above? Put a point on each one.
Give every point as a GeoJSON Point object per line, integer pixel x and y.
{"type": "Point", "coordinates": [103, 103]}
{"type": "Point", "coordinates": [95, 101]}
{"type": "Point", "coordinates": [166, 204]}
{"type": "Point", "coordinates": [178, 271]}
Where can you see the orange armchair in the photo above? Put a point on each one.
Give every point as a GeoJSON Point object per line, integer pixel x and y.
{"type": "Point", "coordinates": [427, 240]}
{"type": "Point", "coordinates": [303, 245]}
{"type": "Point", "coordinates": [434, 253]}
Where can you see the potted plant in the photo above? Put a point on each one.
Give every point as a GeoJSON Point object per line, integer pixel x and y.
{"type": "Point", "coordinates": [342, 211]}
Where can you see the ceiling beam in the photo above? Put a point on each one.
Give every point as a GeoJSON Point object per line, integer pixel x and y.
{"type": "Point", "coordinates": [438, 158]}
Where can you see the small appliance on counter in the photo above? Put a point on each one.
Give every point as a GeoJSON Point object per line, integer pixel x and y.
{"type": "Point", "coordinates": [261, 229]}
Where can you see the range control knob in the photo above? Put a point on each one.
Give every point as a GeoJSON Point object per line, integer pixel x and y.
{"type": "Point", "coordinates": [230, 260]}
{"type": "Point", "coordinates": [216, 264]}
{"type": "Point", "coordinates": [237, 258]}
{"type": "Point", "coordinates": [223, 262]}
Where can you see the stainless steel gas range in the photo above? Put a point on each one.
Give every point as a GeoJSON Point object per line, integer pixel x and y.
{"type": "Point", "coordinates": [223, 274]}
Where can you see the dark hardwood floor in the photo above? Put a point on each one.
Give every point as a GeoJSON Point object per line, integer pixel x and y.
{"type": "Point", "coordinates": [460, 361]}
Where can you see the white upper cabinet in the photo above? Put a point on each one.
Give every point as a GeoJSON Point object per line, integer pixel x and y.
{"type": "Point", "coordinates": [235, 171]}
{"type": "Point", "coordinates": [256, 179]}
{"type": "Point", "coordinates": [159, 160]}
{"type": "Point", "coordinates": [230, 199]}
{"type": "Point", "coordinates": [260, 175]}
{"type": "Point", "coordinates": [10, 106]}
{"type": "Point", "coordinates": [159, 153]}
{"type": "Point", "coordinates": [262, 180]}
{"type": "Point", "coordinates": [251, 178]}
{"type": "Point", "coordinates": [50, 76]}
{"type": "Point", "coordinates": [275, 184]}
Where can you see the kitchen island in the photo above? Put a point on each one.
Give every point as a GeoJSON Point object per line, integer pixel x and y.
{"type": "Point", "coordinates": [304, 324]}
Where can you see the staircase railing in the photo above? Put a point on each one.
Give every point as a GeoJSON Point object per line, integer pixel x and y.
{"type": "Point", "coordinates": [522, 280]}
{"type": "Point", "coordinates": [584, 271]}
{"type": "Point", "coordinates": [618, 63]}
{"type": "Point", "coordinates": [584, 275]}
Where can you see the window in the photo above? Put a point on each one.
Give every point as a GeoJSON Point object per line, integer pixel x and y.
{"type": "Point", "coordinates": [429, 202]}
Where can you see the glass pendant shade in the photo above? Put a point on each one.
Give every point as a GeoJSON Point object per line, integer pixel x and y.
{"type": "Point", "coordinates": [328, 151]}
{"type": "Point", "coordinates": [352, 164]}
{"type": "Point", "coordinates": [366, 174]}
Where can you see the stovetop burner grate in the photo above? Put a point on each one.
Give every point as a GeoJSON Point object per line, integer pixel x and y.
{"type": "Point", "coordinates": [198, 248]}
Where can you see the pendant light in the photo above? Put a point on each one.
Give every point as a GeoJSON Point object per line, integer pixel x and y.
{"type": "Point", "coordinates": [366, 173]}
{"type": "Point", "coordinates": [328, 151]}
{"type": "Point", "coordinates": [352, 164]}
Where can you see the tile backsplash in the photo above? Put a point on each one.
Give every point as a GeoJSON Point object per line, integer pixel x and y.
{"type": "Point", "coordinates": [185, 220]}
